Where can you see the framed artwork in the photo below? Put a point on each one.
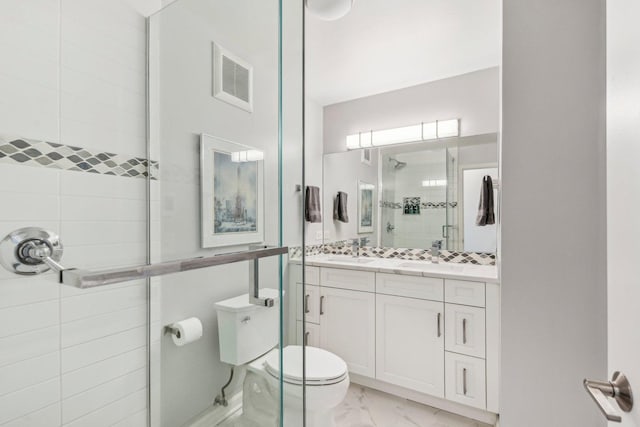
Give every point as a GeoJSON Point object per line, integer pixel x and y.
{"type": "Point", "coordinates": [365, 207]}
{"type": "Point", "coordinates": [232, 193]}
{"type": "Point", "coordinates": [365, 157]}
{"type": "Point", "coordinates": [411, 205]}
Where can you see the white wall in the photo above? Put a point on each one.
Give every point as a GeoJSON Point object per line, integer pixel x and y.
{"type": "Point", "coordinates": [193, 375]}
{"type": "Point", "coordinates": [473, 97]}
{"type": "Point", "coordinates": [623, 192]}
{"type": "Point", "coordinates": [313, 164]}
{"type": "Point", "coordinates": [553, 258]}
{"type": "Point", "coordinates": [73, 72]}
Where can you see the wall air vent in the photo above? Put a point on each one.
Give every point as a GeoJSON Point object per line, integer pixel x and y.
{"type": "Point", "coordinates": [232, 79]}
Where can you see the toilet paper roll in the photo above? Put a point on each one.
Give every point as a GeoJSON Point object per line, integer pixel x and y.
{"type": "Point", "coordinates": [186, 331]}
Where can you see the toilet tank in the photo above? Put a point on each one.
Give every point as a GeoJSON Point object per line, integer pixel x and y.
{"type": "Point", "coordinates": [247, 331]}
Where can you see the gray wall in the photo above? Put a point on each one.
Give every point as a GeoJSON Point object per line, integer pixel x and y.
{"type": "Point", "coordinates": [472, 97]}
{"type": "Point", "coordinates": [553, 212]}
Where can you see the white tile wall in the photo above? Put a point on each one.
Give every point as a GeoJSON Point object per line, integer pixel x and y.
{"type": "Point", "coordinates": [73, 71]}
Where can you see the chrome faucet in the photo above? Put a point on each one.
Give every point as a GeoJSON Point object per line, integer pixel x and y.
{"type": "Point", "coordinates": [356, 244]}
{"type": "Point", "coordinates": [436, 247]}
{"type": "Point", "coordinates": [355, 248]}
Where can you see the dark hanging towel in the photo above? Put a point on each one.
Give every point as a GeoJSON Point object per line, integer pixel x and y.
{"type": "Point", "coordinates": [312, 211]}
{"type": "Point", "coordinates": [340, 207]}
{"type": "Point", "coordinates": [486, 213]}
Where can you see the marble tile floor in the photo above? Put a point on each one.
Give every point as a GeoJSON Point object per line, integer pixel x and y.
{"type": "Point", "coordinates": [365, 407]}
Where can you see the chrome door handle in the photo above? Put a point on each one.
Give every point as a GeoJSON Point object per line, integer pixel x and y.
{"type": "Point", "coordinates": [306, 303]}
{"type": "Point", "coordinates": [322, 305]}
{"type": "Point", "coordinates": [439, 331]}
{"type": "Point", "coordinates": [464, 381]}
{"type": "Point", "coordinates": [464, 331]}
{"type": "Point", "coordinates": [306, 338]}
{"type": "Point", "coordinates": [618, 388]}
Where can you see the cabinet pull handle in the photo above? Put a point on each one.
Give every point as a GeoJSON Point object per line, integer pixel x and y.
{"type": "Point", "coordinates": [464, 331]}
{"type": "Point", "coordinates": [306, 303]}
{"type": "Point", "coordinates": [464, 381]}
{"type": "Point", "coordinates": [322, 305]}
{"type": "Point", "coordinates": [439, 330]}
{"type": "Point", "coordinates": [306, 338]}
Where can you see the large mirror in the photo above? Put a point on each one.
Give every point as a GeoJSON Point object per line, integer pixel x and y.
{"type": "Point", "coordinates": [423, 192]}
{"type": "Point", "coordinates": [406, 120]}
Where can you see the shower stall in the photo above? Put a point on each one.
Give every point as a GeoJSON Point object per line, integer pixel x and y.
{"type": "Point", "coordinates": [149, 156]}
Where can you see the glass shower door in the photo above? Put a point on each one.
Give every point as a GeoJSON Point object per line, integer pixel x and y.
{"type": "Point", "coordinates": [225, 131]}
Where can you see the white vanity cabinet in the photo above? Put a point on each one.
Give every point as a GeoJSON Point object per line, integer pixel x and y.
{"type": "Point", "coordinates": [437, 337]}
{"type": "Point", "coordinates": [465, 330]}
{"type": "Point", "coordinates": [347, 327]}
{"type": "Point", "coordinates": [410, 343]}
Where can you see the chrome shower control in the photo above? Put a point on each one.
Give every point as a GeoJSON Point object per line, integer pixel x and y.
{"type": "Point", "coordinates": [30, 250]}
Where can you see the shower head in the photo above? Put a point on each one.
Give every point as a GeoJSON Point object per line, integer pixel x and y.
{"type": "Point", "coordinates": [399, 165]}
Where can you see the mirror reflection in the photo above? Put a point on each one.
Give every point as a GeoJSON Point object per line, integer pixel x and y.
{"type": "Point", "coordinates": [423, 192]}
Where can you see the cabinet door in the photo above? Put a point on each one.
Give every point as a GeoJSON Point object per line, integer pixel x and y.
{"type": "Point", "coordinates": [308, 304]}
{"type": "Point", "coordinates": [466, 380]}
{"type": "Point", "coordinates": [410, 343]}
{"type": "Point", "coordinates": [311, 336]}
{"type": "Point", "coordinates": [347, 327]}
{"type": "Point", "coordinates": [465, 329]}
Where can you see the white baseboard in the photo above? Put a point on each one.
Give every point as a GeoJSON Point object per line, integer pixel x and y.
{"type": "Point", "coordinates": [425, 399]}
{"type": "Point", "coordinates": [216, 414]}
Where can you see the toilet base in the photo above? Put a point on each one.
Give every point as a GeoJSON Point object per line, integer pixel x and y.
{"type": "Point", "coordinates": [260, 406]}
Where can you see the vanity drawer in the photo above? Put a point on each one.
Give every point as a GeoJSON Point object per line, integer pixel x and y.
{"type": "Point", "coordinates": [410, 286]}
{"type": "Point", "coordinates": [464, 292]}
{"type": "Point", "coordinates": [310, 337]}
{"type": "Point", "coordinates": [465, 380]}
{"type": "Point", "coordinates": [309, 303]}
{"type": "Point", "coordinates": [312, 275]}
{"type": "Point", "coordinates": [464, 330]}
{"type": "Point", "coordinates": [348, 279]}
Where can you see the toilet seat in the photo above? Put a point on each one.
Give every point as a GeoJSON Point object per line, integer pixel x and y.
{"type": "Point", "coordinates": [322, 367]}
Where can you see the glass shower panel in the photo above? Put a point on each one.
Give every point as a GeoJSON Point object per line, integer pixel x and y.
{"type": "Point", "coordinates": [226, 131]}
{"type": "Point", "coordinates": [451, 229]}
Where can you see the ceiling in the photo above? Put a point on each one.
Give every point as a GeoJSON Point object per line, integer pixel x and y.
{"type": "Point", "coordinates": [383, 45]}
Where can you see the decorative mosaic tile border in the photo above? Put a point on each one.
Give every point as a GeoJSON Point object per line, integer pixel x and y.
{"type": "Point", "coordinates": [344, 248]}
{"type": "Point", "coordinates": [58, 156]}
{"type": "Point", "coordinates": [423, 205]}
{"type": "Point", "coordinates": [296, 251]}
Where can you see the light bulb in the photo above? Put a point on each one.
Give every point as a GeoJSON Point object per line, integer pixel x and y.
{"type": "Point", "coordinates": [329, 10]}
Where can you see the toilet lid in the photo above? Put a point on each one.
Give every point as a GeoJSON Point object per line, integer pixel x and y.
{"type": "Point", "coordinates": [322, 366]}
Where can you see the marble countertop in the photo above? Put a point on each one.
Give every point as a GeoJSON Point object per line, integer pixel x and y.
{"type": "Point", "coordinates": [446, 270]}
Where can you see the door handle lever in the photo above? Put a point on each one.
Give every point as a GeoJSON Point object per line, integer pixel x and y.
{"type": "Point", "coordinates": [618, 388]}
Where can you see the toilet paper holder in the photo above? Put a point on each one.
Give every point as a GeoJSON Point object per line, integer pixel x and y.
{"type": "Point", "coordinates": [170, 330]}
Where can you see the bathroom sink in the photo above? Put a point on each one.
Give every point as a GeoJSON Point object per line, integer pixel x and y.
{"type": "Point", "coordinates": [418, 265]}
{"type": "Point", "coordinates": [454, 268]}
{"type": "Point", "coordinates": [352, 260]}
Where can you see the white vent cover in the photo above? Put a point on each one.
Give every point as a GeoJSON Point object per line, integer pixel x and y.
{"type": "Point", "coordinates": [232, 79]}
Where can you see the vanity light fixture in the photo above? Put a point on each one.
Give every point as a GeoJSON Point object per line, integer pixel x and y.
{"type": "Point", "coordinates": [434, 183]}
{"type": "Point", "coordinates": [247, 156]}
{"type": "Point", "coordinates": [422, 132]}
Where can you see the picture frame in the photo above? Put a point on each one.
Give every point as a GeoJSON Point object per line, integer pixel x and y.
{"type": "Point", "coordinates": [366, 193]}
{"type": "Point", "coordinates": [232, 193]}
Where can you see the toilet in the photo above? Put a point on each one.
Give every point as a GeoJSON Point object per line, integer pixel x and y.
{"type": "Point", "coordinates": [248, 337]}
